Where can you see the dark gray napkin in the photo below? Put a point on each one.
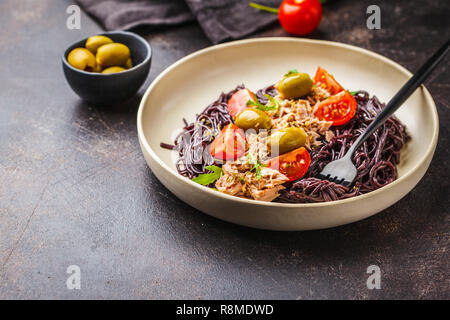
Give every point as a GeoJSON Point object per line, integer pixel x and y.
{"type": "Point", "coordinates": [127, 14]}
{"type": "Point", "coordinates": [221, 20]}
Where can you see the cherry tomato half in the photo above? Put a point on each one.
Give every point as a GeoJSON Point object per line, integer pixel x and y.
{"type": "Point", "coordinates": [300, 17]}
{"type": "Point", "coordinates": [230, 144]}
{"type": "Point", "coordinates": [293, 164]}
{"type": "Point", "coordinates": [339, 108]}
{"type": "Point", "coordinates": [238, 101]}
{"type": "Point", "coordinates": [326, 81]}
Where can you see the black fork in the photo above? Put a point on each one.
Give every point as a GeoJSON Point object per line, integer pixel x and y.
{"type": "Point", "coordinates": [343, 170]}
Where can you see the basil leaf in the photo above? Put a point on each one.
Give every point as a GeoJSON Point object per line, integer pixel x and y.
{"type": "Point", "coordinates": [208, 178]}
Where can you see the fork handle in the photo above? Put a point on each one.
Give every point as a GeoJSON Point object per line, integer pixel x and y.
{"type": "Point", "coordinates": [408, 88]}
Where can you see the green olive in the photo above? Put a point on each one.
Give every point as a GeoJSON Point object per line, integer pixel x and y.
{"type": "Point", "coordinates": [286, 140]}
{"type": "Point", "coordinates": [95, 42]}
{"type": "Point", "coordinates": [113, 54]}
{"type": "Point", "coordinates": [129, 64]}
{"type": "Point", "coordinates": [82, 59]}
{"type": "Point", "coordinates": [253, 119]}
{"type": "Point", "coordinates": [113, 70]}
{"type": "Point", "coordinates": [295, 86]}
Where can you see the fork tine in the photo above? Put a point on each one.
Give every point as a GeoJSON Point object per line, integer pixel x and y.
{"type": "Point", "coordinates": [335, 179]}
{"type": "Point", "coordinates": [341, 171]}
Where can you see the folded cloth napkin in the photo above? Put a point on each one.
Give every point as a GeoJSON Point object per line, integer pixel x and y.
{"type": "Point", "coordinates": [127, 14]}
{"type": "Point", "coordinates": [221, 20]}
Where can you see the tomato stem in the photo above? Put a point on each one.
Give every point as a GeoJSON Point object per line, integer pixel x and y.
{"type": "Point", "coordinates": [263, 8]}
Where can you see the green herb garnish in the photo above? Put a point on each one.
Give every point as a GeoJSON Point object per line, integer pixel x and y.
{"type": "Point", "coordinates": [256, 164]}
{"type": "Point", "coordinates": [274, 104]}
{"type": "Point", "coordinates": [353, 92]}
{"type": "Point", "coordinates": [291, 72]}
{"type": "Point", "coordinates": [208, 178]}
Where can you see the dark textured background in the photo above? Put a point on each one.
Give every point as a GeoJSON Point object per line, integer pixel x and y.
{"type": "Point", "coordinates": [75, 189]}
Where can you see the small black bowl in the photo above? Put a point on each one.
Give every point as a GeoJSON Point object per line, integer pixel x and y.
{"type": "Point", "coordinates": [109, 89]}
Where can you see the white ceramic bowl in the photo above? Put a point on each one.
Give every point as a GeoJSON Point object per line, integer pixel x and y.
{"type": "Point", "coordinates": [189, 85]}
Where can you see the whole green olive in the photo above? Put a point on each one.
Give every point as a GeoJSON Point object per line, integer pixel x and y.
{"type": "Point", "coordinates": [113, 54]}
{"type": "Point", "coordinates": [287, 139]}
{"type": "Point", "coordinates": [83, 59]}
{"type": "Point", "coordinates": [253, 119]}
{"type": "Point", "coordinates": [295, 86]}
{"type": "Point", "coordinates": [95, 42]}
{"type": "Point", "coordinates": [113, 70]}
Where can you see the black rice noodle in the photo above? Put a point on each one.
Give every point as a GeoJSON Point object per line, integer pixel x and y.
{"type": "Point", "coordinates": [375, 160]}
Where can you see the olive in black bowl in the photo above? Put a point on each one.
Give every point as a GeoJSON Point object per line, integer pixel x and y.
{"type": "Point", "coordinates": [109, 89]}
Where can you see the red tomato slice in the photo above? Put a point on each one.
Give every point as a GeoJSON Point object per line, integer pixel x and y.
{"type": "Point", "coordinates": [230, 144]}
{"type": "Point", "coordinates": [339, 108]}
{"type": "Point", "coordinates": [293, 164]}
{"type": "Point", "coordinates": [325, 80]}
{"type": "Point", "coordinates": [238, 101]}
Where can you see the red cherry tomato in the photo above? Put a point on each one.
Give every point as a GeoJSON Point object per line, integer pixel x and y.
{"type": "Point", "coordinates": [293, 164]}
{"type": "Point", "coordinates": [339, 108]}
{"type": "Point", "coordinates": [326, 81]}
{"type": "Point", "coordinates": [238, 101]}
{"type": "Point", "coordinates": [230, 144]}
{"type": "Point", "coordinates": [300, 17]}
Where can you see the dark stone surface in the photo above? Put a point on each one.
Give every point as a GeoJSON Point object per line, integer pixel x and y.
{"type": "Point", "coordinates": [75, 189]}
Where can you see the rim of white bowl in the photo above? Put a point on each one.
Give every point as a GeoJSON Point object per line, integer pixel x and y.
{"type": "Point", "coordinates": [214, 193]}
